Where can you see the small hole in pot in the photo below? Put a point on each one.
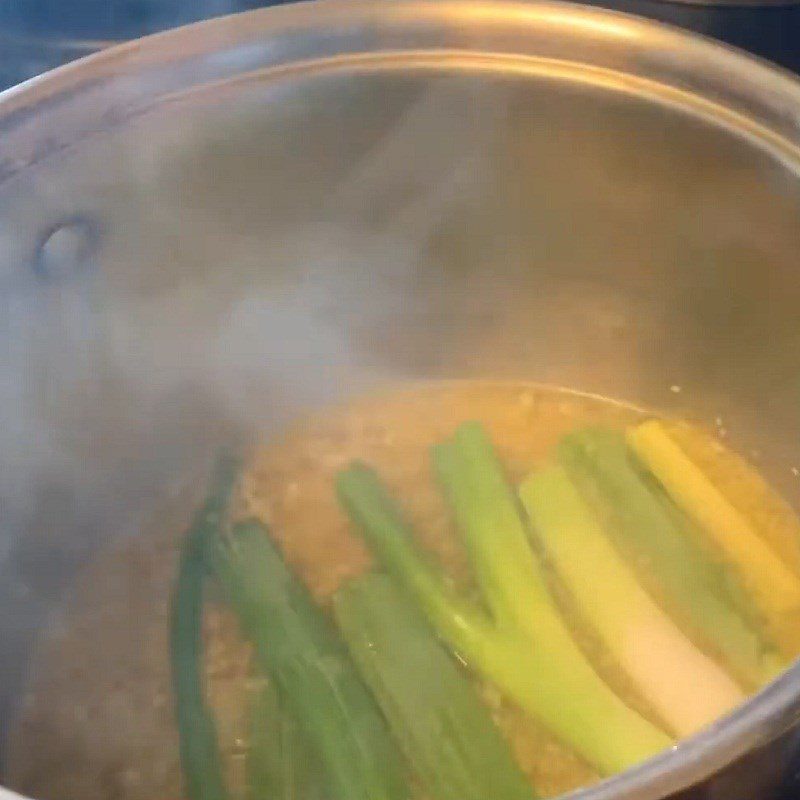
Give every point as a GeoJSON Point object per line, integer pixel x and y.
{"type": "Point", "coordinates": [67, 249]}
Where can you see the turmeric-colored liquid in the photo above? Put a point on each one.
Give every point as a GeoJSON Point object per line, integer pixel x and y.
{"type": "Point", "coordinates": [97, 722]}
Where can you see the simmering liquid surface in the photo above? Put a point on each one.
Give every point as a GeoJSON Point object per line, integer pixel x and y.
{"type": "Point", "coordinates": [97, 721]}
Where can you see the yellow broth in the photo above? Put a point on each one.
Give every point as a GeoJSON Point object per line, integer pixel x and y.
{"type": "Point", "coordinates": [97, 720]}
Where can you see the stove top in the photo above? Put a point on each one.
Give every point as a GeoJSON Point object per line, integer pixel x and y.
{"type": "Point", "coordinates": [36, 35]}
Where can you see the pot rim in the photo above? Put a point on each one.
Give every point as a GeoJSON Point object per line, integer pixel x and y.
{"type": "Point", "coordinates": [758, 101]}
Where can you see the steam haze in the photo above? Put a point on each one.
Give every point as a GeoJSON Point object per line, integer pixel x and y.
{"type": "Point", "coordinates": [210, 277]}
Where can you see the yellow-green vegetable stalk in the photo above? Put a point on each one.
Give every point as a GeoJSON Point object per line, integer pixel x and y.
{"type": "Point", "coordinates": [775, 589]}
{"type": "Point", "coordinates": [685, 687]}
{"type": "Point", "coordinates": [545, 673]}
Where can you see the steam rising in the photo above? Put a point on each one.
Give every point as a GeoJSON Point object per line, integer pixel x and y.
{"type": "Point", "coordinates": [232, 285]}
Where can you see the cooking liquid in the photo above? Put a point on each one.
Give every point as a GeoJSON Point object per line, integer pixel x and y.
{"type": "Point", "coordinates": [97, 721]}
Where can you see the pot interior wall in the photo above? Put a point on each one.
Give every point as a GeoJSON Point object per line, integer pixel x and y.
{"type": "Point", "coordinates": [230, 258]}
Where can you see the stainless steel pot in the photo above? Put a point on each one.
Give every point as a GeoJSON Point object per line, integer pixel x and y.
{"type": "Point", "coordinates": [203, 231]}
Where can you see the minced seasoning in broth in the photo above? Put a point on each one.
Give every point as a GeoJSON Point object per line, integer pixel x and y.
{"type": "Point", "coordinates": [97, 722]}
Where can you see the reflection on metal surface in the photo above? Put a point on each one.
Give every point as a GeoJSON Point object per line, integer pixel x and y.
{"type": "Point", "coordinates": [487, 13]}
